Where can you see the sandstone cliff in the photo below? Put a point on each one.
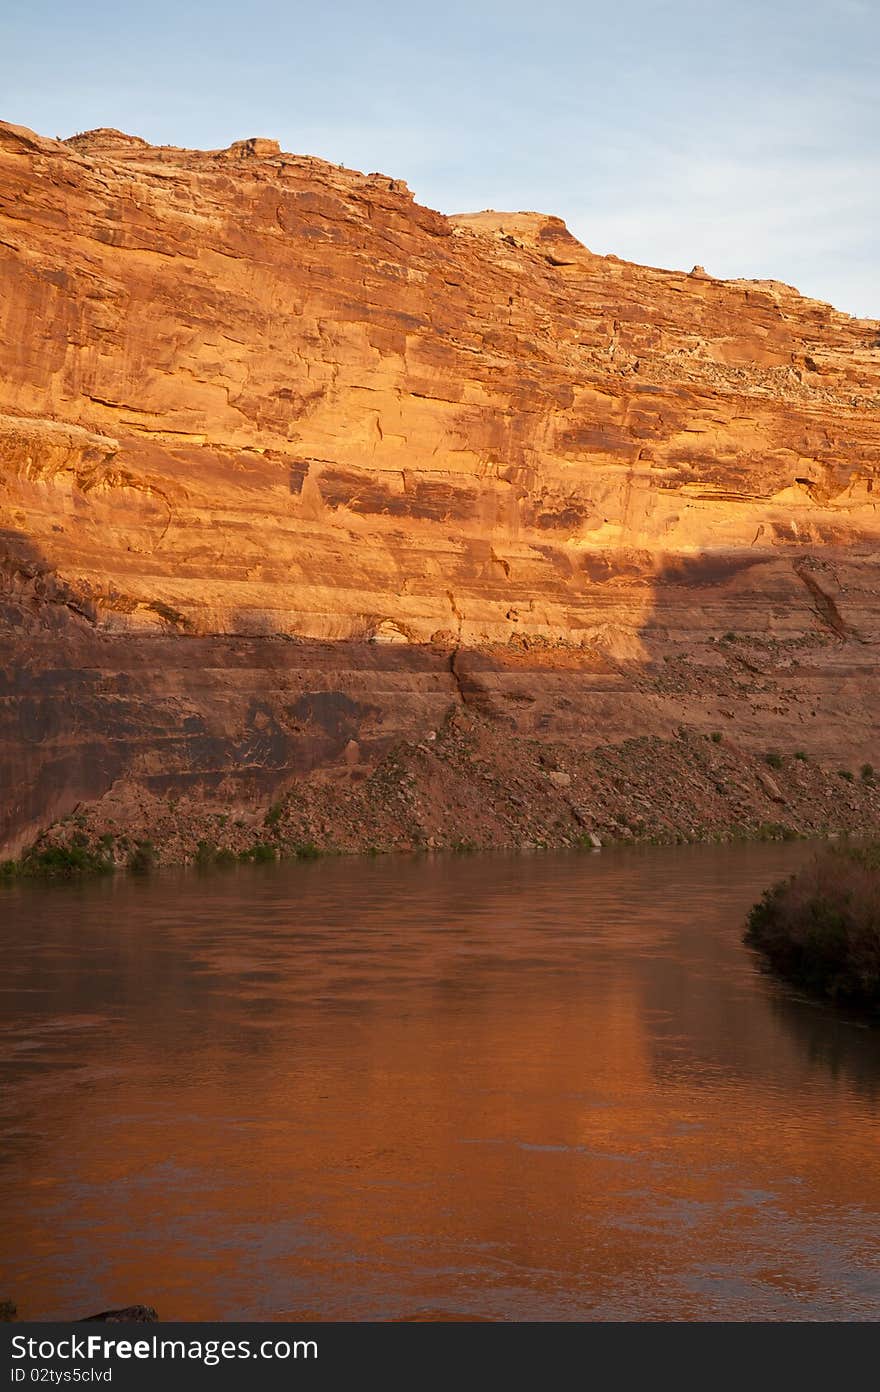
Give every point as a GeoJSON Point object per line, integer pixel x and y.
{"type": "Point", "coordinates": [292, 467]}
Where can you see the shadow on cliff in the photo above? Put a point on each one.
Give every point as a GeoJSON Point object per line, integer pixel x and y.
{"type": "Point", "coordinates": [705, 638]}
{"type": "Point", "coordinates": [235, 717]}
{"type": "Point", "coordinates": [242, 715]}
{"type": "Point", "coordinates": [51, 754]}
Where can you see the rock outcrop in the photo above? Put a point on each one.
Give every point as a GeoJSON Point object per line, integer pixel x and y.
{"type": "Point", "coordinates": [131, 1314]}
{"type": "Point", "coordinates": [290, 466]}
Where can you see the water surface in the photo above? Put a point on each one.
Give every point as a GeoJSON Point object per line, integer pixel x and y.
{"type": "Point", "coordinates": [547, 1087]}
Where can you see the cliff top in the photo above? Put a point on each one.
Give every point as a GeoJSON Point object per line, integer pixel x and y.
{"type": "Point", "coordinates": [258, 158]}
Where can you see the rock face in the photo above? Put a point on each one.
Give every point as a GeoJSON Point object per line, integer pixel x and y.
{"type": "Point", "coordinates": [131, 1314]}
{"type": "Point", "coordinates": [290, 465]}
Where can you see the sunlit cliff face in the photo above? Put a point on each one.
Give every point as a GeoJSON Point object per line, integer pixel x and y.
{"type": "Point", "coordinates": [246, 393]}
{"type": "Point", "coordinates": [246, 388]}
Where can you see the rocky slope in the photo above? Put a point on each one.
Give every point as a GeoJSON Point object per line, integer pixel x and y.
{"type": "Point", "coordinates": [293, 469]}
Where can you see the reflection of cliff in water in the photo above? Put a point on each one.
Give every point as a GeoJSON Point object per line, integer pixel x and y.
{"type": "Point", "coordinates": [544, 1087]}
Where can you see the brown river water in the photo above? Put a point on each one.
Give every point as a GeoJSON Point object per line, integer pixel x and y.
{"type": "Point", "coordinates": [552, 1086]}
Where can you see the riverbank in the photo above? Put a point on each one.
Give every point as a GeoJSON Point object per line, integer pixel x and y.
{"type": "Point", "coordinates": [820, 929]}
{"type": "Point", "coordinates": [472, 785]}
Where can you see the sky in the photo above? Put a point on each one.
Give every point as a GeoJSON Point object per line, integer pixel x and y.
{"type": "Point", "coordinates": [743, 135]}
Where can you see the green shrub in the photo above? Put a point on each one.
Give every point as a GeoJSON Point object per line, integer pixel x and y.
{"type": "Point", "coordinates": [74, 859]}
{"type": "Point", "coordinates": [585, 841]}
{"type": "Point", "coordinates": [773, 758]}
{"type": "Point", "coordinates": [775, 831]}
{"type": "Point", "coordinates": [463, 845]}
{"type": "Point", "coordinates": [821, 928]}
{"type": "Point", "coordinates": [306, 850]}
{"type": "Point", "coordinates": [209, 856]}
{"type": "Point", "coordinates": [716, 737]}
{"type": "Point", "coordinates": [260, 854]}
{"type": "Point", "coordinates": [274, 815]}
{"type": "Point", "coordinates": [845, 773]}
{"type": "Point", "coordinates": [800, 754]}
{"type": "Point", "coordinates": [867, 773]}
{"type": "Point", "coordinates": [143, 858]}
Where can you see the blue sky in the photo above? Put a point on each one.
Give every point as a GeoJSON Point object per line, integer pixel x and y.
{"type": "Point", "coordinates": [743, 135]}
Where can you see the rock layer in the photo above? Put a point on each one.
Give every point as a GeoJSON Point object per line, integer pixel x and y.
{"type": "Point", "coordinates": [290, 466]}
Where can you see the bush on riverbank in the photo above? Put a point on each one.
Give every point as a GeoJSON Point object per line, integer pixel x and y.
{"type": "Point", "coordinates": [821, 928]}
{"type": "Point", "coordinates": [55, 861]}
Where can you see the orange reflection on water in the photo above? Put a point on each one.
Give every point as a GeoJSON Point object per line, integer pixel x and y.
{"type": "Point", "coordinates": [550, 1087]}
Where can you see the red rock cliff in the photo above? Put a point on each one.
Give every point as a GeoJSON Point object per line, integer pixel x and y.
{"type": "Point", "coordinates": [248, 396]}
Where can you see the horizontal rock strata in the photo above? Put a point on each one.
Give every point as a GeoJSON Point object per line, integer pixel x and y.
{"type": "Point", "coordinates": [291, 468]}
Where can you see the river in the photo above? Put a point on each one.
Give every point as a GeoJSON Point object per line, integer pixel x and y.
{"type": "Point", "coordinates": [549, 1086]}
